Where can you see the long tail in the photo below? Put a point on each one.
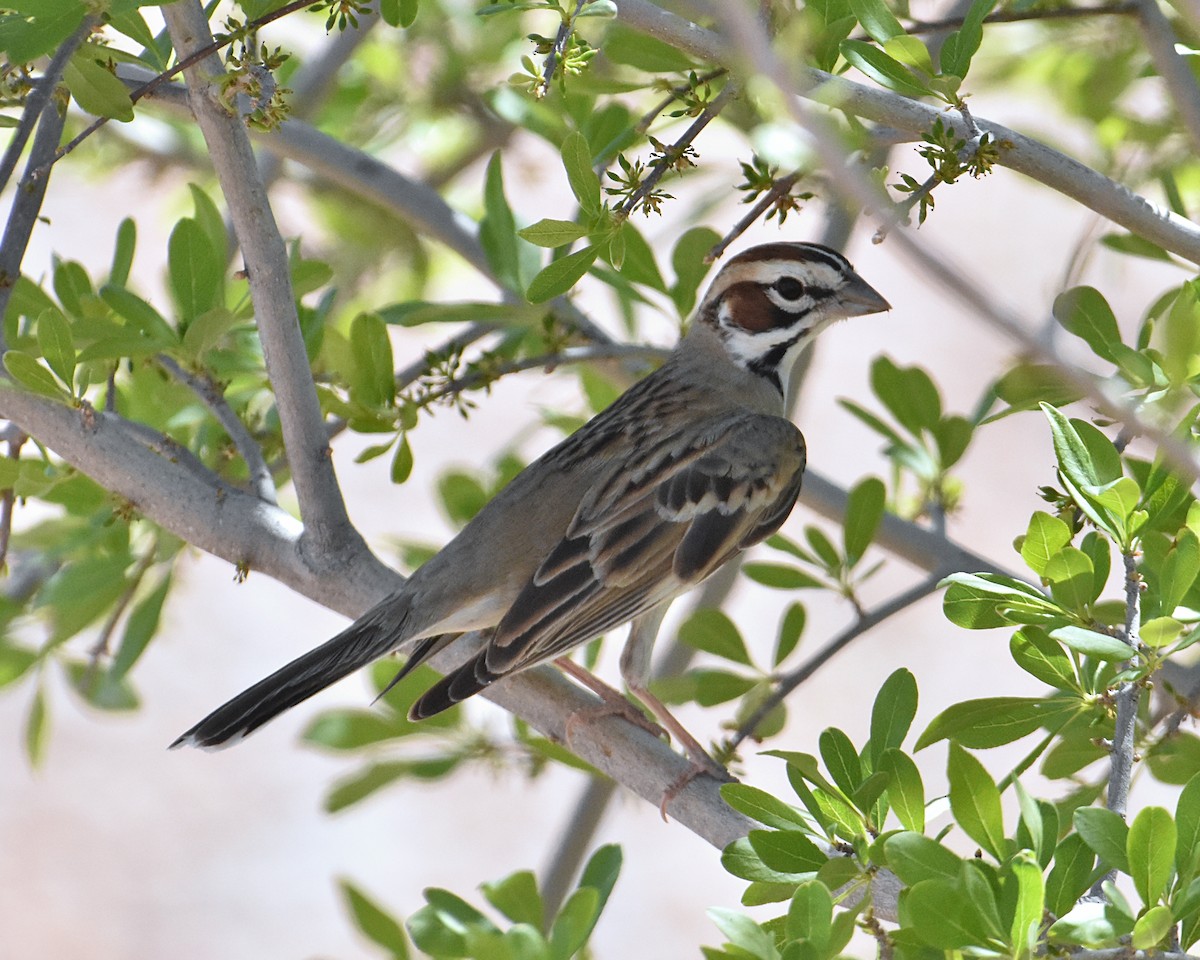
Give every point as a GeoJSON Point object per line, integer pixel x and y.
{"type": "Point", "coordinates": [378, 631]}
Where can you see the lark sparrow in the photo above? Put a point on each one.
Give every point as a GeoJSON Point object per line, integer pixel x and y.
{"type": "Point", "coordinates": [687, 468]}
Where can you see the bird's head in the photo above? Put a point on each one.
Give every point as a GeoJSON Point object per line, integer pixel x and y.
{"type": "Point", "coordinates": [769, 302]}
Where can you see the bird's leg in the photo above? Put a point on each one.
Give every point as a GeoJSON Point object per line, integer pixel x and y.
{"type": "Point", "coordinates": [635, 669]}
{"type": "Point", "coordinates": [615, 704]}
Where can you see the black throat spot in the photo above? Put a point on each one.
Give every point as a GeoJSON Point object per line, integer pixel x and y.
{"type": "Point", "coordinates": [767, 366]}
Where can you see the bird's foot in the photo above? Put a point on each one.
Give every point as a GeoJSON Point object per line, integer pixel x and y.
{"type": "Point", "coordinates": [615, 703]}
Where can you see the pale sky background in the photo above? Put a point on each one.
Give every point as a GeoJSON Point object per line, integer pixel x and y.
{"type": "Point", "coordinates": [116, 848]}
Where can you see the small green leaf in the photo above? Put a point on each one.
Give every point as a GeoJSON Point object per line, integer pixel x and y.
{"type": "Point", "coordinates": [713, 632]}
{"type": "Point", "coordinates": [1038, 655]}
{"type": "Point", "coordinates": [841, 759]}
{"type": "Point", "coordinates": [517, 897]}
{"type": "Point", "coordinates": [194, 269]}
{"type": "Point", "coordinates": [993, 721]}
{"type": "Point", "coordinates": [1084, 312]}
{"type": "Point", "coordinates": [373, 383]}
{"type": "Point", "coordinates": [959, 48]}
{"type": "Point", "coordinates": [942, 914]}
{"type": "Point", "coordinates": [1045, 537]}
{"type": "Point", "coordinates": [975, 801]}
{"type": "Point", "coordinates": [1070, 575]}
{"type": "Point", "coordinates": [1028, 910]}
{"type": "Point", "coordinates": [57, 345]}
{"type": "Point", "coordinates": [1106, 833]}
{"type": "Point", "coordinates": [787, 851]}
{"type": "Point", "coordinates": [118, 274]}
{"type": "Point", "coordinates": [1178, 571]}
{"type": "Point", "coordinates": [95, 88]}
{"type": "Point", "coordinates": [911, 51]}
{"type": "Point", "coordinates": [1150, 847]}
{"type": "Point", "coordinates": [139, 628]}
{"type": "Point", "coordinates": [375, 923]}
{"type": "Point", "coordinates": [883, 69]}
{"type": "Point", "coordinates": [572, 926]}
{"type": "Point", "coordinates": [762, 806]}
{"type": "Point", "coordinates": [1093, 644]}
{"type": "Point", "coordinates": [790, 630]}
{"type": "Point", "coordinates": [1071, 874]}
{"type": "Point", "coordinates": [864, 511]}
{"type": "Point", "coordinates": [780, 576]}
{"type": "Point", "coordinates": [810, 915]}
{"type": "Point", "coordinates": [905, 791]}
{"type": "Point", "coordinates": [36, 727]}
{"type": "Point", "coordinates": [32, 375]}
{"type": "Point", "coordinates": [877, 20]}
{"type": "Point", "coordinates": [553, 233]}
{"type": "Point", "coordinates": [689, 261]}
{"type": "Point", "coordinates": [141, 314]}
{"type": "Point", "coordinates": [561, 275]}
{"type": "Point", "coordinates": [402, 461]}
{"type": "Point", "coordinates": [1151, 928]}
{"type": "Point", "coordinates": [1187, 823]}
{"type": "Point", "coordinates": [498, 229]}
{"type": "Point", "coordinates": [914, 857]}
{"type": "Point", "coordinates": [577, 160]}
{"type": "Point", "coordinates": [893, 712]}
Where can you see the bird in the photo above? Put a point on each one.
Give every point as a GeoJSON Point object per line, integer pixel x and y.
{"type": "Point", "coordinates": [687, 468]}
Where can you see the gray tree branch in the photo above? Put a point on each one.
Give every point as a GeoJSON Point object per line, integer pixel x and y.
{"type": "Point", "coordinates": [327, 525]}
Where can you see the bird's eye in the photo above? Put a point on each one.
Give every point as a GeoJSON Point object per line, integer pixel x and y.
{"type": "Point", "coordinates": [789, 288]}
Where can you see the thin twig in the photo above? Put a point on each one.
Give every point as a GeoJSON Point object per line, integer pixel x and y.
{"type": "Point", "coordinates": [190, 60]}
{"type": "Point", "coordinates": [101, 647]}
{"type": "Point", "coordinates": [39, 96]}
{"type": "Point", "coordinates": [790, 681]}
{"type": "Point", "coordinates": [779, 189]}
{"type": "Point", "coordinates": [8, 498]}
{"type": "Point", "coordinates": [675, 150]}
{"type": "Point", "coordinates": [261, 482]}
{"type": "Point", "coordinates": [557, 49]}
{"type": "Point", "coordinates": [651, 115]}
{"type": "Point", "coordinates": [27, 204]}
{"type": "Point", "coordinates": [1061, 13]}
{"type": "Point", "coordinates": [1177, 76]}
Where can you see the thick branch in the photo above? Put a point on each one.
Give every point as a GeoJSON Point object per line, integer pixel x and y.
{"type": "Point", "coordinates": [1174, 70]}
{"type": "Point", "coordinates": [1020, 153]}
{"type": "Point", "coordinates": [321, 505]}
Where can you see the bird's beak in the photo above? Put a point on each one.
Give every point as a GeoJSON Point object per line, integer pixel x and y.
{"type": "Point", "coordinates": [861, 298]}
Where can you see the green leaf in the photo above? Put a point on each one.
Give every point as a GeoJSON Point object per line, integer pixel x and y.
{"type": "Point", "coordinates": [841, 759]}
{"type": "Point", "coordinates": [402, 461]}
{"type": "Point", "coordinates": [1187, 823]}
{"type": "Point", "coordinates": [32, 375]}
{"type": "Point", "coordinates": [876, 19]}
{"type": "Point", "coordinates": [1160, 631]}
{"type": "Point", "coordinates": [1071, 874]}
{"type": "Point", "coordinates": [1150, 847]}
{"type": "Point", "coordinates": [1178, 571]}
{"type": "Point", "coordinates": [908, 393]}
{"type": "Point", "coordinates": [601, 871]}
{"type": "Point", "coordinates": [787, 851]}
{"type": "Point", "coordinates": [780, 576]}
{"type": "Point", "coordinates": [1152, 928]}
{"type": "Point", "coordinates": [373, 383]}
{"type": "Point", "coordinates": [960, 47]}
{"type": "Point", "coordinates": [1106, 833]}
{"type": "Point", "coordinates": [1070, 575]}
{"type": "Point", "coordinates": [1084, 312]}
{"type": "Point", "coordinates": [376, 776]}
{"type": "Point", "coordinates": [137, 311]}
{"type": "Point", "coordinates": [139, 629]}
{"type": "Point", "coordinates": [790, 630]}
{"type": "Point", "coordinates": [498, 229]}
{"type": "Point", "coordinates": [553, 233]}
{"type": "Point", "coordinates": [761, 806]}
{"type": "Point", "coordinates": [194, 269]}
{"type": "Point", "coordinates": [1074, 459]}
{"type": "Point", "coordinates": [993, 721]}
{"type": "Point", "coordinates": [689, 261]}
{"type": "Point", "coordinates": [978, 601]}
{"type": "Point", "coordinates": [975, 801]}
{"type": "Point", "coordinates": [206, 331]}
{"type": "Point", "coordinates": [577, 161]}
{"type": "Point", "coordinates": [94, 88]}
{"type": "Point", "coordinates": [36, 728]}
{"type": "Point", "coordinates": [574, 923]}
{"type": "Point", "coordinates": [561, 275]}
{"type": "Point", "coordinates": [1181, 334]}
{"type": "Point", "coordinates": [1027, 913]}
{"type": "Point", "coordinates": [810, 915]}
{"type": "Point", "coordinates": [864, 511]}
{"type": "Point", "coordinates": [517, 897]}
{"type": "Point", "coordinates": [14, 663]}
{"type": "Point", "coordinates": [118, 274]}
{"type": "Point", "coordinates": [1028, 384]}
{"type": "Point", "coordinates": [905, 791]}
{"type": "Point", "coordinates": [914, 857]}
{"type": "Point", "coordinates": [911, 51]}
{"type": "Point", "coordinates": [376, 924]}
{"type": "Point", "coordinates": [1038, 655]}
{"type": "Point", "coordinates": [883, 69]}
{"type": "Point", "coordinates": [744, 933]}
{"type": "Point", "coordinates": [640, 264]}
{"type": "Point", "coordinates": [1093, 644]}
{"type": "Point", "coordinates": [893, 712]}
{"type": "Point", "coordinates": [57, 345]}
{"type": "Point", "coordinates": [942, 915]}
{"type": "Point", "coordinates": [354, 729]}
{"type": "Point", "coordinates": [713, 632]}
{"type": "Point", "coordinates": [627, 46]}
{"type": "Point", "coordinates": [1045, 537]}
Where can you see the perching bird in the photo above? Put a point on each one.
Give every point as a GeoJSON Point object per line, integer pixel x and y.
{"type": "Point", "coordinates": [686, 469]}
